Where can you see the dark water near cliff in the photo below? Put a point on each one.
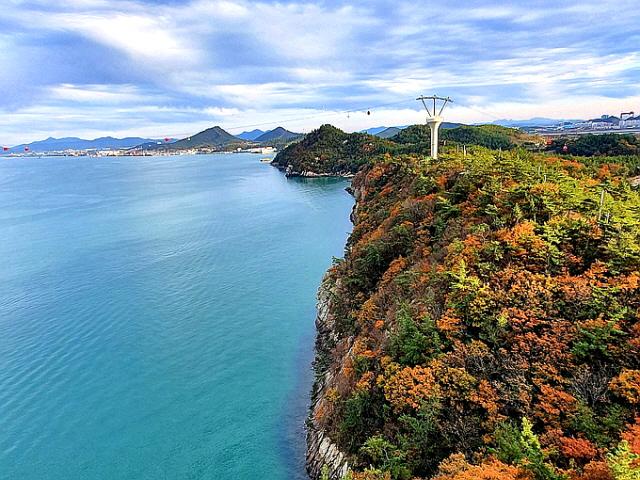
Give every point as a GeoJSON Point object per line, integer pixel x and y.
{"type": "Point", "coordinates": [156, 315]}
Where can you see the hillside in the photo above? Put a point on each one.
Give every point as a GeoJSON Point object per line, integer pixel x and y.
{"type": "Point", "coordinates": [329, 151]}
{"type": "Point", "coordinates": [388, 132]}
{"type": "Point", "coordinates": [489, 136]}
{"type": "Point", "coordinates": [375, 130]}
{"type": "Point", "coordinates": [277, 135]}
{"type": "Point", "coordinates": [593, 145]}
{"type": "Point", "coordinates": [485, 323]}
{"type": "Point", "coordinates": [214, 137]}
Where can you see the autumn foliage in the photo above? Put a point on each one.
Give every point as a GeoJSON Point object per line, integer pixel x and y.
{"type": "Point", "coordinates": [488, 311]}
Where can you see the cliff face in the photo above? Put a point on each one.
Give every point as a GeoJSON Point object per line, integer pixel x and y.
{"type": "Point", "coordinates": [290, 171]}
{"type": "Point", "coordinates": [485, 322]}
{"type": "Point", "coordinates": [321, 451]}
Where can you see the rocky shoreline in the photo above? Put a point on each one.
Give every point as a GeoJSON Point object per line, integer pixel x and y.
{"type": "Point", "coordinates": [322, 453]}
{"type": "Point", "coordinates": [289, 172]}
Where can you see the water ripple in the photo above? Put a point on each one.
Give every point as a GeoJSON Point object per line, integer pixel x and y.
{"type": "Point", "coordinates": [152, 314]}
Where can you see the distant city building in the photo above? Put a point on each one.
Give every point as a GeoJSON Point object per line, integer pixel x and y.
{"type": "Point", "coordinates": [567, 126]}
{"type": "Point", "coordinates": [624, 119]}
{"type": "Point", "coordinates": [605, 122]}
{"type": "Point", "coordinates": [627, 122]}
{"type": "Point", "coordinates": [583, 124]}
{"type": "Point", "coordinates": [633, 122]}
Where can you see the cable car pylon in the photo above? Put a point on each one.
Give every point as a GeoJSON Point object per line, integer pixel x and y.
{"type": "Point", "coordinates": [434, 118]}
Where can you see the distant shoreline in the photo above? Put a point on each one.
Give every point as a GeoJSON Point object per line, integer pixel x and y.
{"type": "Point", "coordinates": [175, 153]}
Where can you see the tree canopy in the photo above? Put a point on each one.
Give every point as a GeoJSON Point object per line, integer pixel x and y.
{"type": "Point", "coordinates": [488, 320]}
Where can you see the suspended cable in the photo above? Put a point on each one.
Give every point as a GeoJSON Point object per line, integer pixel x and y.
{"type": "Point", "coordinates": [365, 110]}
{"type": "Point", "coordinates": [483, 112]}
{"type": "Point", "coordinates": [324, 114]}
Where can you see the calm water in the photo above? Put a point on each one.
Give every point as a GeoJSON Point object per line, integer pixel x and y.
{"type": "Point", "coordinates": [156, 316]}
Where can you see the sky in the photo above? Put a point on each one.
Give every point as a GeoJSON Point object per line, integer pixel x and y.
{"type": "Point", "coordinates": [168, 68]}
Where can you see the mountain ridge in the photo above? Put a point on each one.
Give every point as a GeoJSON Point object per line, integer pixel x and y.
{"type": "Point", "coordinates": [52, 144]}
{"type": "Point", "coordinates": [277, 134]}
{"type": "Point", "coordinates": [211, 137]}
{"type": "Point", "coordinates": [251, 135]}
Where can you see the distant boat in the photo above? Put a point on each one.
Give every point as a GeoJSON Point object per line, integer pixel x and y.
{"type": "Point", "coordinates": [266, 160]}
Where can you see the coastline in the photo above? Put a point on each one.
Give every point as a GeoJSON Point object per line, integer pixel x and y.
{"type": "Point", "coordinates": [321, 451]}
{"type": "Point", "coordinates": [289, 172]}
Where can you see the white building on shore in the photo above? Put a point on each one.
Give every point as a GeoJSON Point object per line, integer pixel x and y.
{"type": "Point", "coordinates": [605, 122]}
{"type": "Point", "coordinates": [629, 120]}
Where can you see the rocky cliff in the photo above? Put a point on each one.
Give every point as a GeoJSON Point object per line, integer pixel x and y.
{"type": "Point", "coordinates": [322, 453]}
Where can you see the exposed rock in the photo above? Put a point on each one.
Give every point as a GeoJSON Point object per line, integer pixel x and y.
{"type": "Point", "coordinates": [290, 172]}
{"type": "Point", "coordinates": [309, 174]}
{"type": "Point", "coordinates": [321, 450]}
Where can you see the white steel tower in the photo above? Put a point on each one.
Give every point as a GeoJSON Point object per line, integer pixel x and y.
{"type": "Point", "coordinates": [434, 119]}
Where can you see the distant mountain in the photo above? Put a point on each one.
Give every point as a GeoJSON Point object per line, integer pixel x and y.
{"type": "Point", "coordinates": [530, 122]}
{"type": "Point", "coordinates": [388, 132]}
{"type": "Point", "coordinates": [447, 125]}
{"type": "Point", "coordinates": [151, 145]}
{"type": "Point", "coordinates": [277, 134]}
{"type": "Point", "coordinates": [375, 130]}
{"type": "Point", "coordinates": [252, 135]}
{"type": "Point", "coordinates": [73, 143]}
{"type": "Point", "coordinates": [211, 137]}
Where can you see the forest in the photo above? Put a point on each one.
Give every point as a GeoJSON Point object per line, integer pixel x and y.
{"type": "Point", "coordinates": [329, 150]}
{"type": "Point", "coordinates": [609, 144]}
{"type": "Point", "coordinates": [487, 318]}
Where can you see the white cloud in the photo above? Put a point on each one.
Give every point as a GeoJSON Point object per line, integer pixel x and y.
{"type": "Point", "coordinates": [96, 93]}
{"type": "Point", "coordinates": [135, 35]}
{"type": "Point", "coordinates": [222, 9]}
{"type": "Point", "coordinates": [220, 112]}
{"type": "Point", "coordinates": [240, 63]}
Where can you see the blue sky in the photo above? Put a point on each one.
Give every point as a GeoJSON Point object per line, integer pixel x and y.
{"type": "Point", "coordinates": [171, 68]}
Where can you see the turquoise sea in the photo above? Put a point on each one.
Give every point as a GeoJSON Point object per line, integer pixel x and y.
{"type": "Point", "coordinates": [157, 315]}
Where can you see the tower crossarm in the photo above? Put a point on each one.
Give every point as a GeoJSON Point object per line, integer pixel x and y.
{"type": "Point", "coordinates": [435, 99]}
